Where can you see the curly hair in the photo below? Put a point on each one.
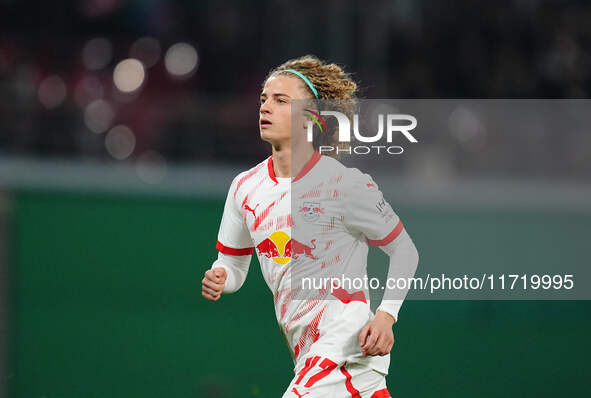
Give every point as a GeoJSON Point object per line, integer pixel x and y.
{"type": "Point", "coordinates": [334, 86]}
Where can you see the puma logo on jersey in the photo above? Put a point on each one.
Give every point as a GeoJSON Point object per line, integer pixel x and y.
{"type": "Point", "coordinates": [248, 208]}
{"type": "Point", "coordinates": [298, 394]}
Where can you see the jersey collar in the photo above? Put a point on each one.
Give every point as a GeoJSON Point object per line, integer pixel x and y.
{"type": "Point", "coordinates": [311, 163]}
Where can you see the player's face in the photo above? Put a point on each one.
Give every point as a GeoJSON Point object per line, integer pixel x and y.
{"type": "Point", "coordinates": [275, 110]}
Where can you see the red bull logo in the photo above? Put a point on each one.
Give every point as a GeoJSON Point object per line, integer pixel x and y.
{"type": "Point", "coordinates": [280, 247]}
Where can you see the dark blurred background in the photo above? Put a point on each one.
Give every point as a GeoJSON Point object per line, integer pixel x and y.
{"type": "Point", "coordinates": [194, 94]}
{"type": "Point", "coordinates": [123, 122]}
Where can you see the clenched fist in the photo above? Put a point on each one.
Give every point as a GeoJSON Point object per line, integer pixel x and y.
{"type": "Point", "coordinates": [213, 283]}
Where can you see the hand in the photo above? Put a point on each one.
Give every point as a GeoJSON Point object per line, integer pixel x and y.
{"type": "Point", "coordinates": [377, 337]}
{"type": "Point", "coordinates": [213, 283]}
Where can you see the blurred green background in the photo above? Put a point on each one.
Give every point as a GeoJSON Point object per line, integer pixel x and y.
{"type": "Point", "coordinates": [106, 302]}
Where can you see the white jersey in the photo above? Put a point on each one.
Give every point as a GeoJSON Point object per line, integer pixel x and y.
{"type": "Point", "coordinates": [322, 220]}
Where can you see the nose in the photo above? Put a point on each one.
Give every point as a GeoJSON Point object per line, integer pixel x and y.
{"type": "Point", "coordinates": [265, 107]}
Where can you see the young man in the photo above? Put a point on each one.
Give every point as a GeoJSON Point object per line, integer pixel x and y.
{"type": "Point", "coordinates": [340, 348]}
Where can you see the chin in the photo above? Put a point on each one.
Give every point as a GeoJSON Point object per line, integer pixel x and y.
{"type": "Point", "coordinates": [266, 135]}
{"type": "Point", "coordinates": [272, 137]}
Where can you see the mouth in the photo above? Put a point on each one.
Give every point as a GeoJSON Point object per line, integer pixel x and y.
{"type": "Point", "coordinates": [264, 123]}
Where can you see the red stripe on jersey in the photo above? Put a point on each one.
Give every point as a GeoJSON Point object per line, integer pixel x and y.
{"type": "Point", "coordinates": [309, 336]}
{"type": "Point", "coordinates": [347, 297]}
{"type": "Point", "coordinates": [247, 202]}
{"type": "Point", "coordinates": [234, 252]}
{"type": "Point", "coordinates": [311, 163]}
{"type": "Point", "coordinates": [331, 261]}
{"type": "Point", "coordinates": [389, 238]}
{"type": "Point", "coordinates": [261, 217]}
{"type": "Point", "coordinates": [271, 171]}
{"type": "Point", "coordinates": [352, 390]}
{"type": "Point", "coordinates": [311, 303]}
{"type": "Point", "coordinates": [249, 194]}
{"type": "Point", "coordinates": [283, 221]}
{"type": "Point", "coordinates": [246, 177]}
{"type": "Point", "coordinates": [329, 227]}
{"type": "Point", "coordinates": [383, 393]}
{"type": "Point", "coordinates": [313, 193]}
{"type": "Point", "coordinates": [285, 305]}
{"type": "Point", "coordinates": [267, 226]}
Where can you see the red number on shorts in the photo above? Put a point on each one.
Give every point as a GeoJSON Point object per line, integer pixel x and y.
{"type": "Point", "coordinates": [326, 364]}
{"type": "Point", "coordinates": [310, 362]}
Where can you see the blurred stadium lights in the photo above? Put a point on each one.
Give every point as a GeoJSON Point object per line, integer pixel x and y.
{"type": "Point", "coordinates": [181, 60]}
{"type": "Point", "coordinates": [212, 115]}
{"type": "Point", "coordinates": [129, 75]}
{"type": "Point", "coordinates": [97, 53]}
{"type": "Point", "coordinates": [147, 50]}
{"type": "Point", "coordinates": [52, 92]}
{"type": "Point", "coordinates": [98, 116]}
{"type": "Point", "coordinates": [120, 142]}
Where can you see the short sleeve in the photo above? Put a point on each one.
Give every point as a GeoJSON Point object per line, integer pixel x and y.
{"type": "Point", "coordinates": [233, 236]}
{"type": "Point", "coordinates": [368, 212]}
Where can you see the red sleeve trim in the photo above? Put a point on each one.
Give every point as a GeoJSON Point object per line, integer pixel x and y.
{"type": "Point", "coordinates": [234, 252]}
{"type": "Point", "coordinates": [389, 238]}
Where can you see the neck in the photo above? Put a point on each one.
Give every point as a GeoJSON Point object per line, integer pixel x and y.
{"type": "Point", "coordinates": [284, 160]}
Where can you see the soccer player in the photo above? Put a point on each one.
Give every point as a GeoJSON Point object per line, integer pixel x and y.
{"type": "Point", "coordinates": [339, 346]}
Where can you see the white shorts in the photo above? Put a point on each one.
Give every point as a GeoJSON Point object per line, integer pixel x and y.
{"type": "Point", "coordinates": [320, 377]}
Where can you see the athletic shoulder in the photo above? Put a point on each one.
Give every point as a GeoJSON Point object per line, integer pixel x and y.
{"type": "Point", "coordinates": [349, 178]}
{"type": "Point", "coordinates": [253, 170]}
{"type": "Point", "coordinates": [245, 175]}
{"type": "Point", "coordinates": [331, 166]}
{"type": "Point", "coordinates": [353, 178]}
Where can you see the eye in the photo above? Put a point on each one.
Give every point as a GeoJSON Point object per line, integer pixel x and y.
{"type": "Point", "coordinates": [281, 101]}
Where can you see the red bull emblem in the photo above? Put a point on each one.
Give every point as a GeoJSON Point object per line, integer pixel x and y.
{"type": "Point", "coordinates": [310, 211]}
{"type": "Point", "coordinates": [280, 247]}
